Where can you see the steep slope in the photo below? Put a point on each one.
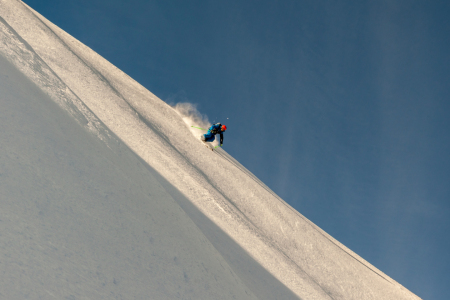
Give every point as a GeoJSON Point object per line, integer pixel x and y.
{"type": "Point", "coordinates": [257, 240]}
{"type": "Point", "coordinates": [83, 220]}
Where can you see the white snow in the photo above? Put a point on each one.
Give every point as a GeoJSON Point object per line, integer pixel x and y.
{"type": "Point", "coordinates": [106, 192]}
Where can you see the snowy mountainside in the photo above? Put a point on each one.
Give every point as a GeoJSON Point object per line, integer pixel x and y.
{"type": "Point", "coordinates": [234, 227]}
{"type": "Point", "coordinates": [80, 220]}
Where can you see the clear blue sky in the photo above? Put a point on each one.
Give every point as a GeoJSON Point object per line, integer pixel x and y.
{"type": "Point", "coordinates": [341, 107]}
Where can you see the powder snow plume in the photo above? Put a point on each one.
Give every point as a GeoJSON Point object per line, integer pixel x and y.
{"type": "Point", "coordinates": [192, 117]}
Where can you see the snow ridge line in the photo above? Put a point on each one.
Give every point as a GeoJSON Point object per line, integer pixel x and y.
{"type": "Point", "coordinates": [174, 149]}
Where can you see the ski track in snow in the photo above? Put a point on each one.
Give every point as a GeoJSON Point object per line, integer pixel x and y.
{"type": "Point", "coordinates": [116, 109]}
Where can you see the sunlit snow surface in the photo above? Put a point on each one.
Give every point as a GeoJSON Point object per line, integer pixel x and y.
{"type": "Point", "coordinates": [107, 193]}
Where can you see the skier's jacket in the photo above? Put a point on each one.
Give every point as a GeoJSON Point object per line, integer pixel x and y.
{"type": "Point", "coordinates": [216, 129]}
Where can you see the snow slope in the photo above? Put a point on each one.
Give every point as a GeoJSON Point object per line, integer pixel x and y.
{"type": "Point", "coordinates": [106, 193]}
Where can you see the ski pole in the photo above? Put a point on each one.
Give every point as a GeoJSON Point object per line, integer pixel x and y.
{"type": "Point", "coordinates": [198, 128]}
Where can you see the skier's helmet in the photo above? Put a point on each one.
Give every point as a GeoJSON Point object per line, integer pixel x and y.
{"type": "Point", "coordinates": [224, 127]}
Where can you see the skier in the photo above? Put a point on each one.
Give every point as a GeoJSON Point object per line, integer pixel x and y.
{"type": "Point", "coordinates": [210, 136]}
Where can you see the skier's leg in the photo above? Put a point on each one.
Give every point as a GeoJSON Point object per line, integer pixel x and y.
{"type": "Point", "coordinates": [209, 137]}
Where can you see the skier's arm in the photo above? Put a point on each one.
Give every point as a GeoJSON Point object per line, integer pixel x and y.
{"type": "Point", "coordinates": [221, 139]}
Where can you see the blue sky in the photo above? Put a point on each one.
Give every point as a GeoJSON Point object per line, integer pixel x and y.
{"type": "Point", "coordinates": [340, 107]}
